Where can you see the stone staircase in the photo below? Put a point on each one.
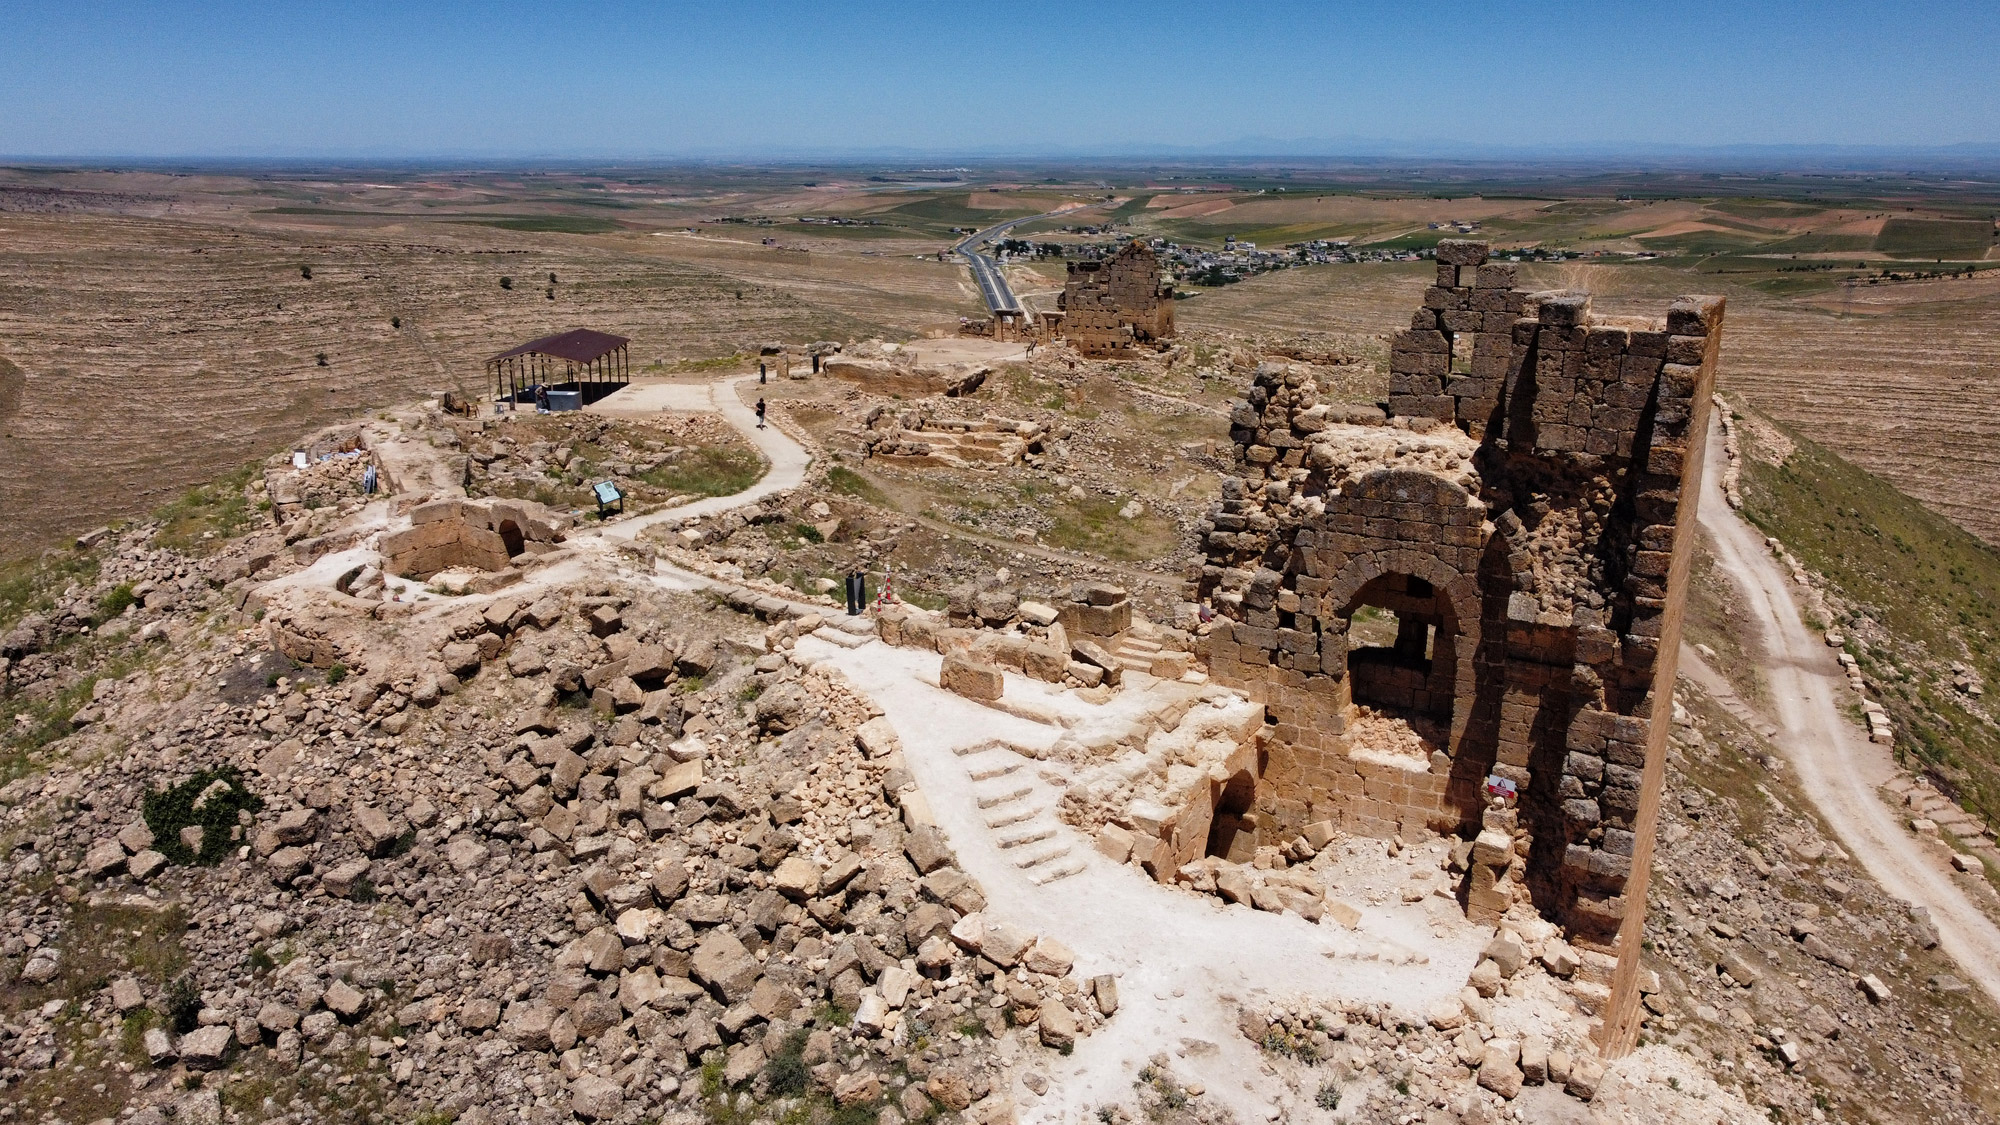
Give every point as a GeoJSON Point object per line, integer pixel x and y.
{"type": "Point", "coordinates": [1137, 652]}
{"type": "Point", "coordinates": [1020, 809]}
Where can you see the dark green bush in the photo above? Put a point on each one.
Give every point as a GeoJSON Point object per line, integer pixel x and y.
{"type": "Point", "coordinates": [170, 810]}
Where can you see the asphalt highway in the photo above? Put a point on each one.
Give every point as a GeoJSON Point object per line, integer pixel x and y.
{"type": "Point", "coordinates": [992, 284]}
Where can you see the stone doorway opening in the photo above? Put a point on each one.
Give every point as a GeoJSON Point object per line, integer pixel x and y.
{"type": "Point", "coordinates": [1401, 656]}
{"type": "Point", "coordinates": [510, 535]}
{"type": "Point", "coordinates": [1232, 833]}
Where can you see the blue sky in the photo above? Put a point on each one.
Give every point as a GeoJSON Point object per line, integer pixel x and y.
{"type": "Point", "coordinates": [502, 79]}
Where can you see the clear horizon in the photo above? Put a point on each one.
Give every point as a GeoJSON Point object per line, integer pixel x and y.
{"type": "Point", "coordinates": [626, 81]}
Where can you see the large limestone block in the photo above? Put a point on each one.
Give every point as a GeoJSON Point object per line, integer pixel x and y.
{"type": "Point", "coordinates": [970, 678]}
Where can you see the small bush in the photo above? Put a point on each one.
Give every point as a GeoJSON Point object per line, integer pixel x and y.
{"type": "Point", "coordinates": [786, 1074]}
{"type": "Point", "coordinates": [183, 1001]}
{"type": "Point", "coordinates": [395, 322]}
{"type": "Point", "coordinates": [808, 532]}
{"type": "Point", "coordinates": [170, 810]}
{"type": "Point", "coordinates": [306, 272]}
{"type": "Point", "coordinates": [506, 283]}
{"type": "Point", "coordinates": [114, 602]}
{"type": "Point", "coordinates": [1328, 1097]}
{"type": "Point", "coordinates": [320, 357]}
{"type": "Point", "coordinates": [336, 674]}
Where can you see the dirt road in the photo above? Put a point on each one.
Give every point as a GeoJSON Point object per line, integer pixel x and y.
{"type": "Point", "coordinates": [1837, 767]}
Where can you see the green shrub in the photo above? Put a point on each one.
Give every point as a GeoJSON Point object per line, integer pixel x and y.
{"type": "Point", "coordinates": [114, 602]}
{"type": "Point", "coordinates": [183, 1002]}
{"type": "Point", "coordinates": [786, 1074]}
{"type": "Point", "coordinates": [170, 810]}
{"type": "Point", "coordinates": [1328, 1097]}
{"type": "Point", "coordinates": [336, 674]}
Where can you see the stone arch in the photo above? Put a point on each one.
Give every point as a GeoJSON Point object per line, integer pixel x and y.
{"type": "Point", "coordinates": [510, 535]}
{"type": "Point", "coordinates": [1459, 591]}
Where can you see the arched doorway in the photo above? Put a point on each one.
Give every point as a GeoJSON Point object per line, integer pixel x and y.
{"type": "Point", "coordinates": [1402, 654]}
{"type": "Point", "coordinates": [510, 536]}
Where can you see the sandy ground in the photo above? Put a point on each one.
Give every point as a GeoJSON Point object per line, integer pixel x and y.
{"type": "Point", "coordinates": [1837, 767]}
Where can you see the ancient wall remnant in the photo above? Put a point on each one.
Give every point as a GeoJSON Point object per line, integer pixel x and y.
{"type": "Point", "coordinates": [476, 534]}
{"type": "Point", "coordinates": [1522, 513]}
{"type": "Point", "coordinates": [915, 436]}
{"type": "Point", "coordinates": [901, 377]}
{"type": "Point", "coordinates": [1111, 305]}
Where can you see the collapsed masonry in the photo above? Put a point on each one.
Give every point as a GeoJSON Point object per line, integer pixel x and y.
{"type": "Point", "coordinates": [486, 535]}
{"type": "Point", "coordinates": [915, 437]}
{"type": "Point", "coordinates": [1524, 508]}
{"type": "Point", "coordinates": [1112, 305]}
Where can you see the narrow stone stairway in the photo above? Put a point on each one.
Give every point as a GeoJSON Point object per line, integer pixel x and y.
{"type": "Point", "coordinates": [1020, 808]}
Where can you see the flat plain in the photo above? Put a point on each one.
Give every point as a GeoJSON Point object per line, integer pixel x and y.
{"type": "Point", "coordinates": [159, 329]}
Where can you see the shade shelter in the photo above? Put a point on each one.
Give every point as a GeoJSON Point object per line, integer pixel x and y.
{"type": "Point", "coordinates": [591, 362]}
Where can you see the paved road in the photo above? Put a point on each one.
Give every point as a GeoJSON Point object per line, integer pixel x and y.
{"type": "Point", "coordinates": [992, 284]}
{"type": "Point", "coordinates": [1836, 765]}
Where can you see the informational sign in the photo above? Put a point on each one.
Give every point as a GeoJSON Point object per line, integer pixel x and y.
{"type": "Point", "coordinates": [1500, 787]}
{"type": "Point", "coordinates": [607, 492]}
{"type": "Point", "coordinates": [298, 458]}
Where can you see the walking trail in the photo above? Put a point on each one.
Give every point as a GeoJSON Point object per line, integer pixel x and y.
{"type": "Point", "coordinates": [1837, 767]}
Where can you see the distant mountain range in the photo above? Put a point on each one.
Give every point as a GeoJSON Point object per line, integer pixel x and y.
{"type": "Point", "coordinates": [1974, 157]}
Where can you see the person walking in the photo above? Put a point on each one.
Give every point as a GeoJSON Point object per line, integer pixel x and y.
{"type": "Point", "coordinates": [760, 372]}
{"type": "Point", "coordinates": [760, 413]}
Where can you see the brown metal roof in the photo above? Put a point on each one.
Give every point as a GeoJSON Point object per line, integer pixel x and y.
{"type": "Point", "coordinates": [578, 345]}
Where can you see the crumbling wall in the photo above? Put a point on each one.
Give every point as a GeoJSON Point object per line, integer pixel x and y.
{"type": "Point", "coordinates": [1528, 494]}
{"type": "Point", "coordinates": [918, 437]}
{"type": "Point", "coordinates": [476, 534]}
{"type": "Point", "coordinates": [1109, 306]}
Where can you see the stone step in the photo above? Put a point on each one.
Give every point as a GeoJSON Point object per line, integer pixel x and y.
{"type": "Point", "coordinates": [987, 801]}
{"type": "Point", "coordinates": [1138, 647]}
{"type": "Point", "coordinates": [841, 637]}
{"type": "Point", "coordinates": [1061, 870]}
{"type": "Point", "coordinates": [1046, 855]}
{"type": "Point", "coordinates": [1012, 816]}
{"type": "Point", "coordinates": [1031, 836]}
{"type": "Point", "coordinates": [989, 772]}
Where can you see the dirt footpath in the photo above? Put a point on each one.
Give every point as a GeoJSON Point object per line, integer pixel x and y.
{"type": "Point", "coordinates": [1836, 765]}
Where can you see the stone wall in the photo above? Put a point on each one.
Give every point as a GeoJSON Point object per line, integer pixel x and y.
{"type": "Point", "coordinates": [1527, 496]}
{"type": "Point", "coordinates": [1109, 306]}
{"type": "Point", "coordinates": [475, 534]}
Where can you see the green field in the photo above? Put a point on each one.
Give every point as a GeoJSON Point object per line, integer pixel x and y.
{"type": "Point", "coordinates": [1951, 239]}
{"type": "Point", "coordinates": [547, 224]}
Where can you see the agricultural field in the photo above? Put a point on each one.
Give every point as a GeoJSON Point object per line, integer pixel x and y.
{"type": "Point", "coordinates": [161, 328]}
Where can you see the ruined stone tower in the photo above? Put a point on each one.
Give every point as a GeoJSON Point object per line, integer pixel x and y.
{"type": "Point", "coordinates": [1523, 505]}
{"type": "Point", "coordinates": [1109, 306]}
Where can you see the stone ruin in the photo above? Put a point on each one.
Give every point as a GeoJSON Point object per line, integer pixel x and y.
{"type": "Point", "coordinates": [1109, 307]}
{"type": "Point", "coordinates": [1523, 504]}
{"type": "Point", "coordinates": [914, 436]}
{"type": "Point", "coordinates": [484, 535]}
{"type": "Point", "coordinates": [899, 375]}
